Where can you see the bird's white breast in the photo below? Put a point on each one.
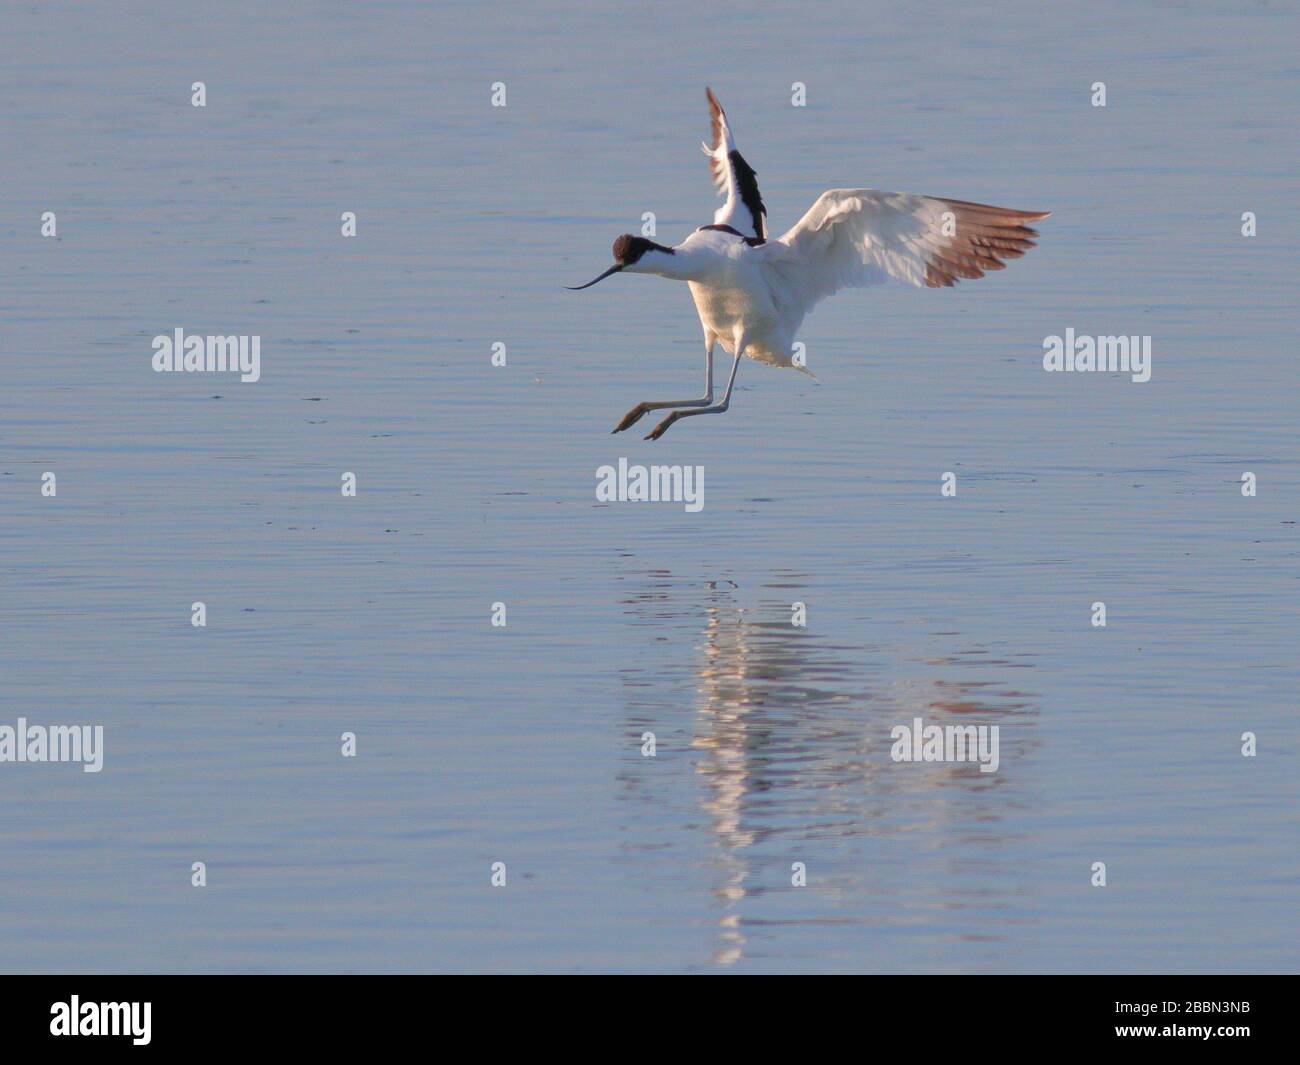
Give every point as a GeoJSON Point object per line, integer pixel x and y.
{"type": "Point", "coordinates": [735, 300]}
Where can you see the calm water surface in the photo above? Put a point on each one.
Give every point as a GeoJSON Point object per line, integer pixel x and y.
{"type": "Point", "coordinates": [476, 485]}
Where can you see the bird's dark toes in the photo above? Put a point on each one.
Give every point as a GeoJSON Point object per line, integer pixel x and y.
{"type": "Point", "coordinates": [630, 418]}
{"type": "Point", "coordinates": [661, 428]}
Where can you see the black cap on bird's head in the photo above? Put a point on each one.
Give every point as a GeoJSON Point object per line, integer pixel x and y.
{"type": "Point", "coordinates": [628, 249]}
{"type": "Point", "coordinates": [627, 252]}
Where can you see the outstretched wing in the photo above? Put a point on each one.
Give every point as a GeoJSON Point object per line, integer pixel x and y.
{"type": "Point", "coordinates": [858, 237]}
{"type": "Point", "coordinates": [734, 178]}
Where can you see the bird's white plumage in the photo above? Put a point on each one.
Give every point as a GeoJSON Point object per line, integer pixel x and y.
{"type": "Point", "coordinates": [852, 238]}
{"type": "Point", "coordinates": [752, 294]}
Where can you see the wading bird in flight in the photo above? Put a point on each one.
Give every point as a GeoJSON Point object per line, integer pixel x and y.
{"type": "Point", "coordinates": [752, 293]}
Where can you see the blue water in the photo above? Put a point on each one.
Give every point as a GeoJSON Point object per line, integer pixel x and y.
{"type": "Point", "coordinates": [476, 485]}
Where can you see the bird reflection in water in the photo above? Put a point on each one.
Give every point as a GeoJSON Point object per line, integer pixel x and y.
{"type": "Point", "coordinates": [791, 731]}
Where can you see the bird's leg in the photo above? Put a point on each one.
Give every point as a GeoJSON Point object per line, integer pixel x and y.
{"type": "Point", "coordinates": [634, 415]}
{"type": "Point", "coordinates": [718, 408]}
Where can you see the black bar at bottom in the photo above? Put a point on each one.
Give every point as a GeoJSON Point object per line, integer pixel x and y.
{"type": "Point", "coordinates": [343, 1014]}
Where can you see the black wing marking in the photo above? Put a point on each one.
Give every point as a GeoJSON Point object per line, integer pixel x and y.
{"type": "Point", "coordinates": [747, 185]}
{"type": "Point", "coordinates": [733, 176]}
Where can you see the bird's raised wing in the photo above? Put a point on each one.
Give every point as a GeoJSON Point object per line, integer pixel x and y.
{"type": "Point", "coordinates": [858, 237]}
{"type": "Point", "coordinates": [734, 179]}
